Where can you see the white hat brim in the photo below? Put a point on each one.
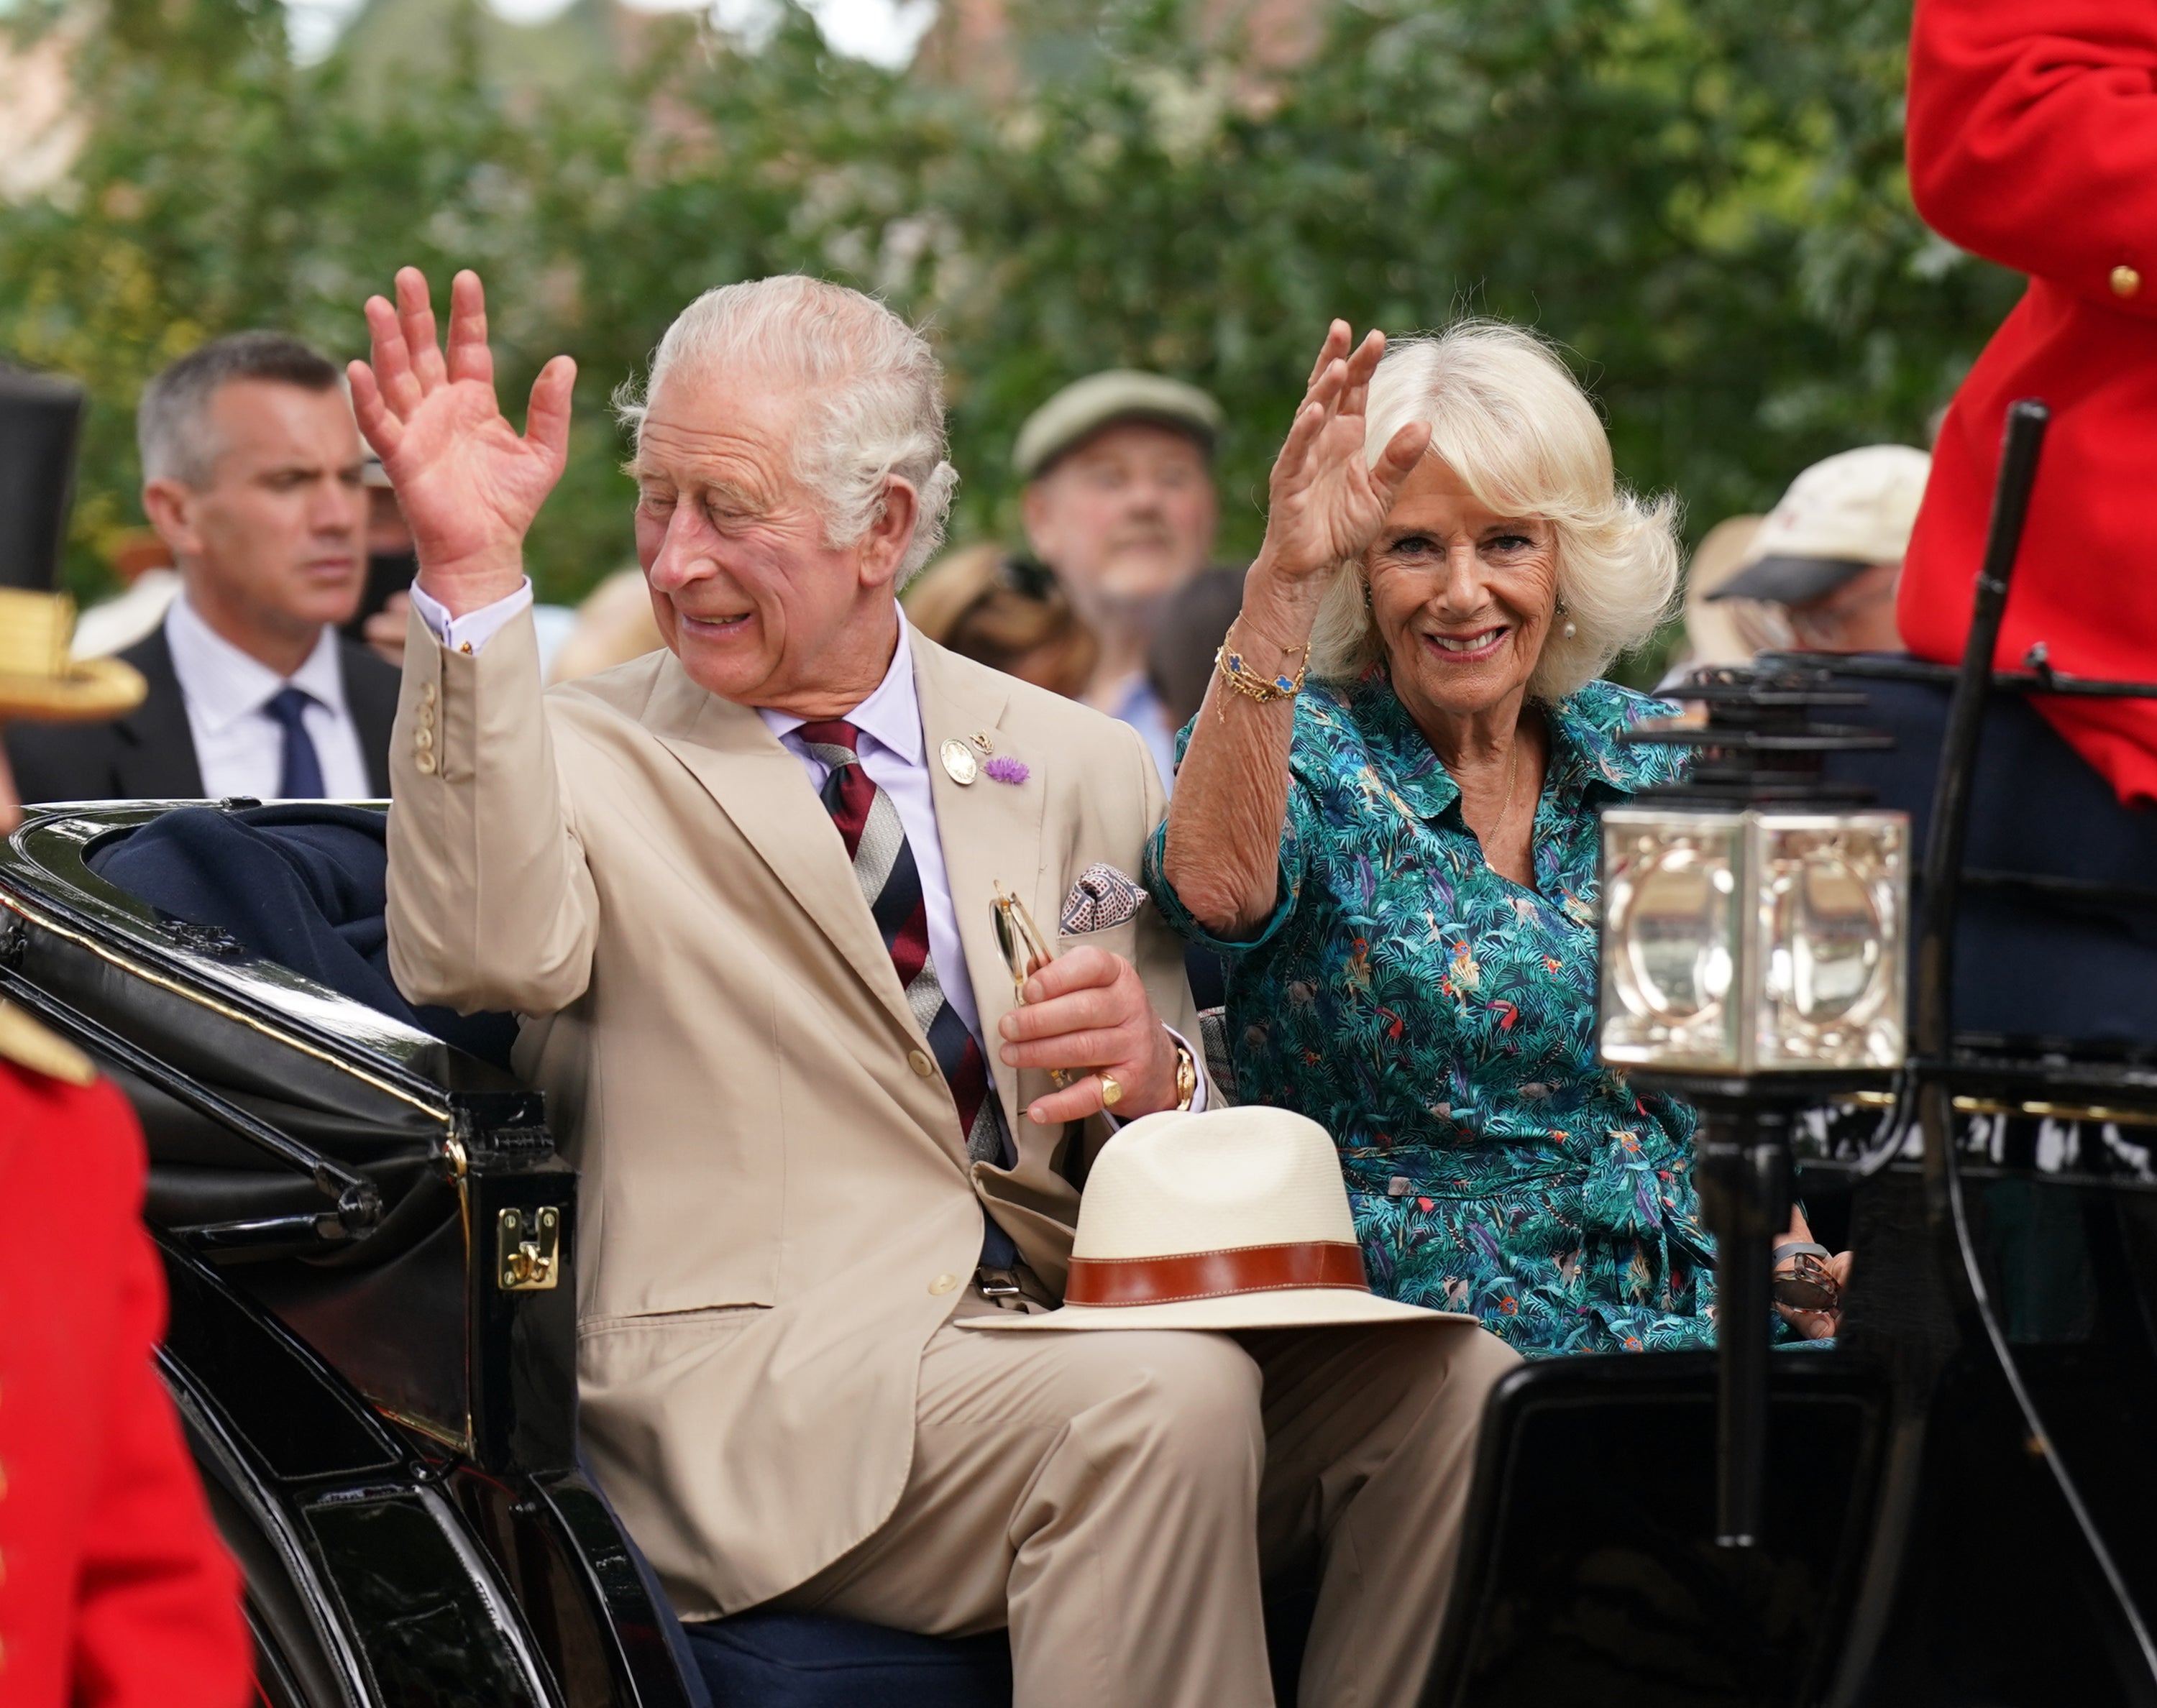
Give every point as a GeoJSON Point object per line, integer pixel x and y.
{"type": "Point", "coordinates": [1290, 1307]}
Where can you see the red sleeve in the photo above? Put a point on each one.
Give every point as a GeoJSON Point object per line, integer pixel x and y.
{"type": "Point", "coordinates": [2032, 137]}
{"type": "Point", "coordinates": [158, 1610]}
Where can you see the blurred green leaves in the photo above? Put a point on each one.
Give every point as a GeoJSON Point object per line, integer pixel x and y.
{"type": "Point", "coordinates": [1701, 200]}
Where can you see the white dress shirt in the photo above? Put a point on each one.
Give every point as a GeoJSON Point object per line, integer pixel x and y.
{"type": "Point", "coordinates": [893, 752]}
{"type": "Point", "coordinates": [239, 747]}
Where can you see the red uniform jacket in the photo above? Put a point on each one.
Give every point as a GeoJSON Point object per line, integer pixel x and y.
{"type": "Point", "coordinates": [114, 1590]}
{"type": "Point", "coordinates": [2033, 140]}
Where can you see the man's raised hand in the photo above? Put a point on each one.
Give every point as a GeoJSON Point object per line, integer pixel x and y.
{"type": "Point", "coordinates": [468, 483]}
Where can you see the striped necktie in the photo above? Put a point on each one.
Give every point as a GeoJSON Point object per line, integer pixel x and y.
{"type": "Point", "coordinates": [883, 865]}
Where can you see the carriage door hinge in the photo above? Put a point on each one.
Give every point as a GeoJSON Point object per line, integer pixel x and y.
{"type": "Point", "coordinates": [527, 1249]}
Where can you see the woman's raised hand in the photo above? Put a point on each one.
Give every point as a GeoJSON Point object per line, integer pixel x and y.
{"type": "Point", "coordinates": [469, 484]}
{"type": "Point", "coordinates": [1327, 503]}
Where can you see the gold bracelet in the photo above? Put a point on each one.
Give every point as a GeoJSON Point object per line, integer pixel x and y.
{"type": "Point", "coordinates": [1241, 679]}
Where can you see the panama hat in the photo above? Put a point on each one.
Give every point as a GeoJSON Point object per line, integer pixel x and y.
{"type": "Point", "coordinates": [37, 679]}
{"type": "Point", "coordinates": [1234, 1218]}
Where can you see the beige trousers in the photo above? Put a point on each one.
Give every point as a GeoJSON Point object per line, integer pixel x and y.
{"type": "Point", "coordinates": [1116, 1498]}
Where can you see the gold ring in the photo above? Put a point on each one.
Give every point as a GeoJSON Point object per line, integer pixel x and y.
{"type": "Point", "coordinates": [1111, 1093]}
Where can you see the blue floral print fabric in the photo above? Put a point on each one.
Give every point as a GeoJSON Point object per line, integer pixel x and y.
{"type": "Point", "coordinates": [1438, 1019]}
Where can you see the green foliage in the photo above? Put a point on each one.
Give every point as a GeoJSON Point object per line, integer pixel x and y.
{"type": "Point", "coordinates": [1701, 200]}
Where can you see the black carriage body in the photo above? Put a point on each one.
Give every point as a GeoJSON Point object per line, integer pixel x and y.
{"type": "Point", "coordinates": [369, 1243]}
{"type": "Point", "coordinates": [371, 1348]}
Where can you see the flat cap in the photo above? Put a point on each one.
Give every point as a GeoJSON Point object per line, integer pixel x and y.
{"type": "Point", "coordinates": [1085, 406]}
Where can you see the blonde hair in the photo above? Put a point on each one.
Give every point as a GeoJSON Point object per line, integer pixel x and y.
{"type": "Point", "coordinates": [1508, 418]}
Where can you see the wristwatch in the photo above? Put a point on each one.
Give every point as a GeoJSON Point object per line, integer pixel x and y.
{"type": "Point", "coordinates": [1187, 1075]}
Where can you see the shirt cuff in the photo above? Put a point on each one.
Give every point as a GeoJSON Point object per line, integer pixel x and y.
{"type": "Point", "coordinates": [474, 629]}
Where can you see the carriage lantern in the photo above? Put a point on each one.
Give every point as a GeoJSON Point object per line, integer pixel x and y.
{"type": "Point", "coordinates": [1753, 955]}
{"type": "Point", "coordinates": [1759, 941]}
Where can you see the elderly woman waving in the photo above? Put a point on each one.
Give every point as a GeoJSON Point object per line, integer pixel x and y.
{"type": "Point", "coordinates": [1385, 820]}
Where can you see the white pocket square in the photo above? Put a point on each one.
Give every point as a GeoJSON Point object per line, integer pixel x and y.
{"type": "Point", "coordinates": [1102, 898]}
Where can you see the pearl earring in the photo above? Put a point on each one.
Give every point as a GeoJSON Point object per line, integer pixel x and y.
{"type": "Point", "coordinates": [1571, 628]}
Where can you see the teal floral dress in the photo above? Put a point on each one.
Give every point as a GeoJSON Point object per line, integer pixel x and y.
{"type": "Point", "coordinates": [1438, 1019]}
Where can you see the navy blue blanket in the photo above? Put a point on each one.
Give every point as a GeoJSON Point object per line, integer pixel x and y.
{"type": "Point", "coordinates": [303, 884]}
{"type": "Point", "coordinates": [2025, 965]}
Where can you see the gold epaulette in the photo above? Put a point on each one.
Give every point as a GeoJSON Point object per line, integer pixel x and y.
{"type": "Point", "coordinates": [29, 1045]}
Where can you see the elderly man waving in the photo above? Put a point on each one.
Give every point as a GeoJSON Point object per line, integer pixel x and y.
{"type": "Point", "coordinates": [741, 892]}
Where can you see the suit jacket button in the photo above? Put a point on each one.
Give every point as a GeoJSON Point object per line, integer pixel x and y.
{"type": "Point", "coordinates": [425, 765]}
{"type": "Point", "coordinates": [918, 1061]}
{"type": "Point", "coordinates": [2125, 281]}
{"type": "Point", "coordinates": [943, 1285]}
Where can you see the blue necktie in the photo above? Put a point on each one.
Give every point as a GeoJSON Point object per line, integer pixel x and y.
{"type": "Point", "coordinates": [301, 777]}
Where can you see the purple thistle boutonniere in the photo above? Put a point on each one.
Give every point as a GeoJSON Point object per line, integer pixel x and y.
{"type": "Point", "coordinates": [1005, 770]}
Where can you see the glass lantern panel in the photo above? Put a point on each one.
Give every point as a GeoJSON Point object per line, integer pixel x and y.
{"type": "Point", "coordinates": [1672, 910]}
{"type": "Point", "coordinates": [1833, 895]}
{"type": "Point", "coordinates": [1675, 937]}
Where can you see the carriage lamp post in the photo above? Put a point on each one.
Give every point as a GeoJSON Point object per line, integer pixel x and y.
{"type": "Point", "coordinates": [1754, 925]}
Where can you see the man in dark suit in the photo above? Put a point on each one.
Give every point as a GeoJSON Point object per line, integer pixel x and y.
{"type": "Point", "coordinates": [252, 474]}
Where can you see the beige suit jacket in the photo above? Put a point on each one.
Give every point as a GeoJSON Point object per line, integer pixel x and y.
{"type": "Point", "coordinates": [777, 1211]}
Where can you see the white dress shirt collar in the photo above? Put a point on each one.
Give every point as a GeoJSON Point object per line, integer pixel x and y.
{"type": "Point", "coordinates": [891, 716]}
{"type": "Point", "coordinates": [222, 684]}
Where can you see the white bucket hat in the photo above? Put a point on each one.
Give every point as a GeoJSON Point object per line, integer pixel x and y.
{"type": "Point", "coordinates": [1234, 1218]}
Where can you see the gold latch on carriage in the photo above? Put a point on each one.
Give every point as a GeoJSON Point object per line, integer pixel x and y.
{"type": "Point", "coordinates": [529, 1249]}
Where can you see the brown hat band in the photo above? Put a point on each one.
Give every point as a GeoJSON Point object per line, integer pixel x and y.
{"type": "Point", "coordinates": [1267, 1268]}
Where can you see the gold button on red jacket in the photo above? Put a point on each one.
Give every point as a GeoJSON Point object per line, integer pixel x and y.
{"type": "Point", "coordinates": [2033, 141]}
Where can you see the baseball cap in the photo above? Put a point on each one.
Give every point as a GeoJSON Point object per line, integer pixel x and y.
{"type": "Point", "coordinates": [1085, 406]}
{"type": "Point", "coordinates": [1841, 516]}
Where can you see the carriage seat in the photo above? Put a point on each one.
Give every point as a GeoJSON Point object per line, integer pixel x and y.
{"type": "Point", "coordinates": [769, 1659]}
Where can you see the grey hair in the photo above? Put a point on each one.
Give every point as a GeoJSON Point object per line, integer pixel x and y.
{"type": "Point", "coordinates": [171, 423]}
{"type": "Point", "coordinates": [1508, 418]}
{"type": "Point", "coordinates": [875, 405]}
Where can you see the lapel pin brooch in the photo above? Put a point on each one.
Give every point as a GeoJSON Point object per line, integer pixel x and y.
{"type": "Point", "coordinates": [1007, 771]}
{"type": "Point", "coordinates": [960, 763]}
